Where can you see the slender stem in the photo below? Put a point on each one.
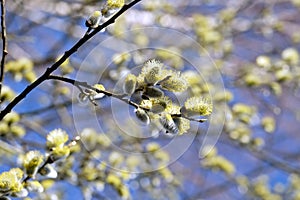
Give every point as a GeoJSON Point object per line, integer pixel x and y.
{"type": "Point", "coordinates": [66, 55]}
{"type": "Point", "coordinates": [4, 43]}
{"type": "Point", "coordinates": [189, 118]}
{"type": "Point", "coordinates": [79, 84]}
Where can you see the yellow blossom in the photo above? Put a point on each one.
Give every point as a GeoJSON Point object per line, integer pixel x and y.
{"type": "Point", "coordinates": [31, 162]}
{"type": "Point", "coordinates": [199, 106]}
{"type": "Point", "coordinates": [57, 138]}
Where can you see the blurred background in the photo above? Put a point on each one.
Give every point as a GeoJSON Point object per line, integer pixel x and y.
{"type": "Point", "coordinates": [243, 55]}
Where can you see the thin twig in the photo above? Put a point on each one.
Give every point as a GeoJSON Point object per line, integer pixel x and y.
{"type": "Point", "coordinates": [66, 55]}
{"type": "Point", "coordinates": [80, 84]}
{"type": "Point", "coordinates": [84, 84]}
{"type": "Point", "coordinates": [4, 43]}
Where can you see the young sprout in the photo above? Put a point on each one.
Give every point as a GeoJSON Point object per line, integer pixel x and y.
{"type": "Point", "coordinates": [93, 21]}
{"type": "Point", "coordinates": [142, 116]}
{"type": "Point", "coordinates": [130, 84]}
{"type": "Point", "coordinates": [153, 92]}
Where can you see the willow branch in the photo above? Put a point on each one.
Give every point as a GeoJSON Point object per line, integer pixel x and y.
{"type": "Point", "coordinates": [4, 43]}
{"type": "Point", "coordinates": [66, 55]}
{"type": "Point", "coordinates": [80, 84]}
{"type": "Point", "coordinates": [84, 84]}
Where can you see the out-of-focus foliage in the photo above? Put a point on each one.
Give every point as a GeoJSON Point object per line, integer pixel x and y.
{"type": "Point", "coordinates": [252, 45]}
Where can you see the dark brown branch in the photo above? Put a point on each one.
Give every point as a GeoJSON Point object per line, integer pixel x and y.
{"type": "Point", "coordinates": [66, 55]}
{"type": "Point", "coordinates": [4, 43]}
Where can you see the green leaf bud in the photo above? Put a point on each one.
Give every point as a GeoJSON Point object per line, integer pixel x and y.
{"type": "Point", "coordinates": [142, 116]}
{"type": "Point", "coordinates": [158, 107]}
{"type": "Point", "coordinates": [130, 84]}
{"type": "Point", "coordinates": [153, 92]}
{"type": "Point", "coordinates": [94, 20]}
{"type": "Point", "coordinates": [48, 171]}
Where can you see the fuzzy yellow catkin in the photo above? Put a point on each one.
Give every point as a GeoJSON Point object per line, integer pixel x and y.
{"type": "Point", "coordinates": [198, 106]}
{"type": "Point", "coordinates": [31, 161]}
{"type": "Point", "coordinates": [113, 4]}
{"type": "Point", "coordinates": [175, 83]}
{"type": "Point", "coordinates": [153, 75]}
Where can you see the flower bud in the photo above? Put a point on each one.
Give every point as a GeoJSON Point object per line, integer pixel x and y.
{"type": "Point", "coordinates": [158, 107]}
{"type": "Point", "coordinates": [142, 116]}
{"type": "Point", "coordinates": [130, 84]}
{"type": "Point", "coordinates": [94, 20]}
{"type": "Point", "coordinates": [48, 171]}
{"type": "Point", "coordinates": [153, 92]}
{"type": "Point", "coordinates": [153, 71]}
